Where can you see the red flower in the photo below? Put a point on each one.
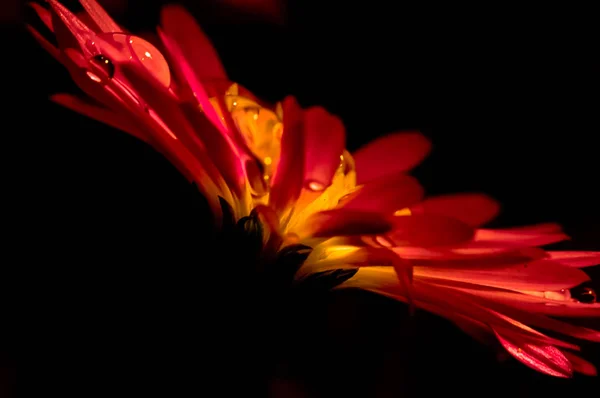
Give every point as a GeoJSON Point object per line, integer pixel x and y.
{"type": "Point", "coordinates": [287, 168]}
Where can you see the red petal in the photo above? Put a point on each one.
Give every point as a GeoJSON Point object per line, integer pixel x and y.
{"type": "Point", "coordinates": [324, 137]}
{"type": "Point", "coordinates": [389, 155]}
{"type": "Point", "coordinates": [289, 176]}
{"type": "Point", "coordinates": [342, 222]}
{"type": "Point", "coordinates": [70, 31]}
{"type": "Point", "coordinates": [545, 359]}
{"type": "Point", "coordinates": [100, 17]}
{"type": "Point", "coordinates": [170, 115]}
{"type": "Point", "coordinates": [581, 365]}
{"type": "Point", "coordinates": [100, 114]}
{"type": "Point", "coordinates": [43, 14]}
{"type": "Point", "coordinates": [538, 275]}
{"type": "Point", "coordinates": [46, 45]}
{"type": "Point", "coordinates": [575, 259]}
{"type": "Point", "coordinates": [530, 303]}
{"type": "Point", "coordinates": [472, 209]}
{"type": "Point", "coordinates": [519, 237]}
{"type": "Point", "coordinates": [188, 78]}
{"type": "Point", "coordinates": [386, 194]}
{"type": "Point", "coordinates": [207, 126]}
{"type": "Point", "coordinates": [428, 230]}
{"type": "Point", "coordinates": [179, 25]}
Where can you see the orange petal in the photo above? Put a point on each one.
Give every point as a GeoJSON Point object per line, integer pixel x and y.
{"type": "Point", "coordinates": [390, 154]}
{"type": "Point", "coordinates": [342, 222]}
{"type": "Point", "coordinates": [386, 194]}
{"type": "Point", "coordinates": [575, 259]}
{"type": "Point", "coordinates": [100, 17]}
{"type": "Point", "coordinates": [472, 209]}
{"type": "Point", "coordinates": [543, 358]}
{"type": "Point", "coordinates": [289, 176]}
{"type": "Point", "coordinates": [324, 138]}
{"type": "Point", "coordinates": [428, 230]}
{"type": "Point", "coordinates": [179, 25]}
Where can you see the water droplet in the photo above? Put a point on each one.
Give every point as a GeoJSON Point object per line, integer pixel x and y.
{"type": "Point", "coordinates": [101, 69]}
{"type": "Point", "coordinates": [315, 186]}
{"type": "Point", "coordinates": [584, 294]}
{"type": "Point", "coordinates": [561, 295]}
{"type": "Point", "coordinates": [135, 48]}
{"type": "Point", "coordinates": [268, 160]}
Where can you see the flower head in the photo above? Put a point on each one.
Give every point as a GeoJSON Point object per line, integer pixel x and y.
{"type": "Point", "coordinates": [280, 175]}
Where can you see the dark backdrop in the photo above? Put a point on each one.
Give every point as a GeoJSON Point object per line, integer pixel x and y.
{"type": "Point", "coordinates": [509, 97]}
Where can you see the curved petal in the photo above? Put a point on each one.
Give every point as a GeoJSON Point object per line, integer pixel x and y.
{"type": "Point", "coordinates": [472, 209]}
{"type": "Point", "coordinates": [325, 138]}
{"type": "Point", "coordinates": [344, 223]}
{"type": "Point", "coordinates": [543, 358]}
{"type": "Point", "coordinates": [99, 16]}
{"type": "Point", "coordinates": [289, 176]}
{"type": "Point", "coordinates": [538, 275]}
{"type": "Point", "coordinates": [575, 259]}
{"type": "Point", "coordinates": [179, 25]}
{"type": "Point", "coordinates": [428, 230]}
{"type": "Point", "coordinates": [581, 365]}
{"type": "Point", "coordinates": [390, 154]}
{"type": "Point", "coordinates": [386, 194]}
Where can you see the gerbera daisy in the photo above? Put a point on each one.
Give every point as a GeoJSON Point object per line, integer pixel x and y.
{"type": "Point", "coordinates": [306, 212]}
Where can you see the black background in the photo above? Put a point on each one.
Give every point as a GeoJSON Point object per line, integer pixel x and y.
{"type": "Point", "coordinates": [509, 97]}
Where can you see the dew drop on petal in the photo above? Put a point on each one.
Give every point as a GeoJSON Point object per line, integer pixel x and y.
{"type": "Point", "coordinates": [315, 186]}
{"type": "Point", "coordinates": [561, 295]}
{"type": "Point", "coordinates": [584, 294]}
{"type": "Point", "coordinates": [101, 69]}
{"type": "Point", "coordinates": [152, 59]}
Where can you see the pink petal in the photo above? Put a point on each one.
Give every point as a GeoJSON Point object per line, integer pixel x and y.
{"type": "Point", "coordinates": [386, 194]}
{"type": "Point", "coordinates": [180, 26]}
{"type": "Point", "coordinates": [100, 114]}
{"type": "Point", "coordinates": [543, 358]}
{"type": "Point", "coordinates": [472, 209]}
{"type": "Point", "coordinates": [324, 138]}
{"type": "Point", "coordinates": [581, 365]}
{"type": "Point", "coordinates": [342, 222]}
{"type": "Point", "coordinates": [289, 176]}
{"type": "Point", "coordinates": [99, 16]}
{"type": "Point", "coordinates": [428, 230]}
{"type": "Point", "coordinates": [575, 259]}
{"type": "Point", "coordinates": [390, 154]}
{"type": "Point", "coordinates": [538, 275]}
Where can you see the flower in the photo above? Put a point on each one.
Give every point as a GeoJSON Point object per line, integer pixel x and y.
{"type": "Point", "coordinates": [279, 180]}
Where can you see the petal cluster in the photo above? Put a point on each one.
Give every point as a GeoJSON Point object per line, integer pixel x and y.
{"type": "Point", "coordinates": [289, 167]}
